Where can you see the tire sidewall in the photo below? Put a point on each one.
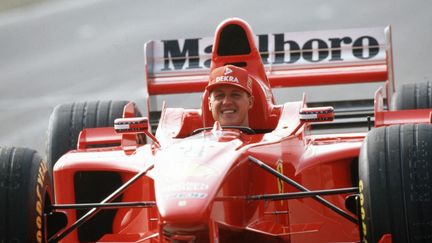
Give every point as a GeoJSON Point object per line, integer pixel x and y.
{"type": "Point", "coordinates": [40, 192]}
{"type": "Point", "coordinates": [27, 191]}
{"type": "Point", "coordinates": [365, 193]}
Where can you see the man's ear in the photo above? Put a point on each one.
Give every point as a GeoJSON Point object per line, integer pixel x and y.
{"type": "Point", "coordinates": [251, 101]}
{"type": "Point", "coordinates": [209, 103]}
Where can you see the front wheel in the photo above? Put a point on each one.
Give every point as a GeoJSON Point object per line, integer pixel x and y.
{"type": "Point", "coordinates": [395, 170]}
{"type": "Point", "coordinates": [25, 195]}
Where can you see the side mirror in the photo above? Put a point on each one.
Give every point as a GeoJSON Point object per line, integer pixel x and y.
{"type": "Point", "coordinates": [317, 114]}
{"type": "Point", "coordinates": [131, 125]}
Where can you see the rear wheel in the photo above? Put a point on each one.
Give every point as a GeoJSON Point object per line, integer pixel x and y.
{"type": "Point", "coordinates": [395, 171]}
{"type": "Point", "coordinates": [68, 120]}
{"type": "Point", "coordinates": [413, 96]}
{"type": "Point", "coordinates": [25, 195]}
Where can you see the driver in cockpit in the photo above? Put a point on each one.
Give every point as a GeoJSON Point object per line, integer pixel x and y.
{"type": "Point", "coordinates": [230, 95]}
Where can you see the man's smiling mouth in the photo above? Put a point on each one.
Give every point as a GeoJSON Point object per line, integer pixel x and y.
{"type": "Point", "coordinates": [228, 111]}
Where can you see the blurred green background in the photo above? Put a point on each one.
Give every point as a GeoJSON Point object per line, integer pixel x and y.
{"type": "Point", "coordinates": [11, 4]}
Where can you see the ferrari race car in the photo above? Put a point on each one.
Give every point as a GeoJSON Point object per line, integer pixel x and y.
{"type": "Point", "coordinates": [298, 173]}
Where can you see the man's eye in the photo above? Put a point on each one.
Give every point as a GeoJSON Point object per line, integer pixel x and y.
{"type": "Point", "coordinates": [219, 96]}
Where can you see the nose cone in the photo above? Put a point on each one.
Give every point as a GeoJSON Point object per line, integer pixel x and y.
{"type": "Point", "coordinates": [186, 201]}
{"type": "Point", "coordinates": [187, 177]}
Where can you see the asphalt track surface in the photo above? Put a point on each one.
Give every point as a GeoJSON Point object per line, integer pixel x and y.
{"type": "Point", "coordinates": [64, 51]}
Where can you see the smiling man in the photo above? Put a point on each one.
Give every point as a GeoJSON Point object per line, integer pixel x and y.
{"type": "Point", "coordinates": [230, 98]}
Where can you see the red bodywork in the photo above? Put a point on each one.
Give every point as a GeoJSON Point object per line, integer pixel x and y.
{"type": "Point", "coordinates": [203, 184]}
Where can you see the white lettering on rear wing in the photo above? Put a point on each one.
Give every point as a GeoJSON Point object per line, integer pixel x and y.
{"type": "Point", "coordinates": [290, 59]}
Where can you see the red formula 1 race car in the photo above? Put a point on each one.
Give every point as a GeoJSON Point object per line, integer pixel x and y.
{"type": "Point", "coordinates": [277, 180]}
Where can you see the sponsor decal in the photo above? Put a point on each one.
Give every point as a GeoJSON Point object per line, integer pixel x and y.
{"type": "Point", "coordinates": [187, 195]}
{"type": "Point", "coordinates": [280, 183]}
{"type": "Point", "coordinates": [362, 212]}
{"type": "Point", "coordinates": [177, 57]}
{"type": "Point", "coordinates": [190, 170]}
{"type": "Point", "coordinates": [279, 48]}
{"type": "Point", "coordinates": [186, 190]}
{"type": "Point", "coordinates": [187, 187]}
{"type": "Point", "coordinates": [227, 71]}
{"type": "Point", "coordinates": [39, 200]}
{"type": "Point", "coordinates": [249, 83]}
{"type": "Point", "coordinates": [227, 79]}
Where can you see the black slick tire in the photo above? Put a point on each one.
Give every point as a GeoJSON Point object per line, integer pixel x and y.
{"type": "Point", "coordinates": [413, 96]}
{"type": "Point", "coordinates": [395, 171]}
{"type": "Point", "coordinates": [68, 120]}
{"type": "Point", "coordinates": [25, 195]}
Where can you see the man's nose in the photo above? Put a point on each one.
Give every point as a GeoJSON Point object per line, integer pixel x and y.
{"type": "Point", "coordinates": [227, 99]}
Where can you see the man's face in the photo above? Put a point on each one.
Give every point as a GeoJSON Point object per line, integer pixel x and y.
{"type": "Point", "coordinates": [229, 105]}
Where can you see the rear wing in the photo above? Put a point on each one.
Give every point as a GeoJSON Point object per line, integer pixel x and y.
{"type": "Point", "coordinates": [290, 59]}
